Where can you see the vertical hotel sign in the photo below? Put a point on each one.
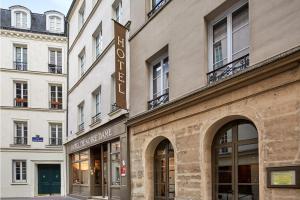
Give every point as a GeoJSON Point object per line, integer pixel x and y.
{"type": "Point", "coordinates": [120, 62]}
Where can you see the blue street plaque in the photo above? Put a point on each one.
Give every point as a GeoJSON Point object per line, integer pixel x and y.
{"type": "Point", "coordinates": [37, 138]}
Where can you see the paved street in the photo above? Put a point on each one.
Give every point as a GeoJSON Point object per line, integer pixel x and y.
{"type": "Point", "coordinates": [43, 198]}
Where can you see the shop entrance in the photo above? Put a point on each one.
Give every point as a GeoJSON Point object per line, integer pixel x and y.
{"type": "Point", "coordinates": [49, 179]}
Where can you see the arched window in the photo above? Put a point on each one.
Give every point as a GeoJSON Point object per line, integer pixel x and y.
{"type": "Point", "coordinates": [21, 19]}
{"type": "Point", "coordinates": [55, 24]}
{"type": "Point", "coordinates": [235, 162]}
{"type": "Point", "coordinates": [164, 171]}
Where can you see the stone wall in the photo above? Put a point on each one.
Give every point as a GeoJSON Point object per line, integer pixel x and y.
{"type": "Point", "coordinates": [272, 104]}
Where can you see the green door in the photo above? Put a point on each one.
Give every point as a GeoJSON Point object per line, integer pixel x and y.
{"type": "Point", "coordinates": [48, 179]}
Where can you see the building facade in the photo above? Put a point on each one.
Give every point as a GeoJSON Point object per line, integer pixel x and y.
{"type": "Point", "coordinates": [97, 135]}
{"type": "Point", "coordinates": [214, 100]}
{"type": "Point", "coordinates": [33, 102]}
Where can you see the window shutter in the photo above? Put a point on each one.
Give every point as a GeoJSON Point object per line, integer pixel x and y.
{"type": "Point", "coordinates": [59, 58]}
{"type": "Point", "coordinates": [52, 57]}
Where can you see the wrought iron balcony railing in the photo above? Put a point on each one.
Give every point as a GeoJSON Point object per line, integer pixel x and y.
{"type": "Point", "coordinates": [156, 7]}
{"type": "Point", "coordinates": [55, 141]}
{"type": "Point", "coordinates": [81, 127]}
{"type": "Point", "coordinates": [158, 101]}
{"type": "Point", "coordinates": [55, 69]}
{"type": "Point", "coordinates": [228, 70]}
{"type": "Point", "coordinates": [22, 66]}
{"type": "Point", "coordinates": [55, 105]}
{"type": "Point", "coordinates": [20, 140]}
{"type": "Point", "coordinates": [96, 118]}
{"type": "Point", "coordinates": [21, 102]}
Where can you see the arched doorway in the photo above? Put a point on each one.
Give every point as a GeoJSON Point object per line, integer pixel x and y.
{"type": "Point", "coordinates": [235, 162]}
{"type": "Point", "coordinates": [164, 171]}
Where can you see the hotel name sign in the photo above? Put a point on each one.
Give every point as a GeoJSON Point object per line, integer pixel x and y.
{"type": "Point", "coordinates": [96, 137]}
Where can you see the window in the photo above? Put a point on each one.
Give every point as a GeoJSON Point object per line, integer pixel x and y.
{"type": "Point", "coordinates": [164, 171]}
{"type": "Point", "coordinates": [21, 19]}
{"type": "Point", "coordinates": [97, 105]}
{"type": "Point", "coordinates": [21, 134]}
{"type": "Point", "coordinates": [113, 94]}
{"type": "Point", "coordinates": [20, 62]}
{"type": "Point", "coordinates": [115, 163]}
{"type": "Point", "coordinates": [160, 83]}
{"type": "Point", "coordinates": [55, 24]}
{"type": "Point", "coordinates": [235, 162]}
{"type": "Point", "coordinates": [118, 12]}
{"type": "Point", "coordinates": [55, 96]}
{"type": "Point", "coordinates": [55, 134]}
{"type": "Point", "coordinates": [81, 15]}
{"type": "Point", "coordinates": [81, 117]}
{"type": "Point", "coordinates": [80, 168]}
{"type": "Point", "coordinates": [156, 5]}
{"type": "Point", "coordinates": [229, 37]}
{"type": "Point", "coordinates": [21, 95]}
{"type": "Point", "coordinates": [82, 62]}
{"type": "Point", "coordinates": [55, 61]}
{"type": "Point", "coordinates": [99, 43]}
{"type": "Point", "coordinates": [19, 171]}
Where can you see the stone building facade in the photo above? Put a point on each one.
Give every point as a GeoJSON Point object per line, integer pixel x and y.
{"type": "Point", "coordinates": [96, 149]}
{"type": "Point", "coordinates": [219, 95]}
{"type": "Point", "coordinates": [33, 85]}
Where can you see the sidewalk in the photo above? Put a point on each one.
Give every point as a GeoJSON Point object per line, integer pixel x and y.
{"type": "Point", "coordinates": [42, 198]}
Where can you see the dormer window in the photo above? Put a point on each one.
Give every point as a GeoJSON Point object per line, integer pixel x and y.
{"type": "Point", "coordinates": [55, 21]}
{"type": "Point", "coordinates": [55, 24]}
{"type": "Point", "coordinates": [20, 17]}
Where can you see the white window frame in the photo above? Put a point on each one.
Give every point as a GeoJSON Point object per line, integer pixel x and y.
{"type": "Point", "coordinates": [118, 11]}
{"type": "Point", "coordinates": [82, 60]}
{"type": "Point", "coordinates": [99, 43]}
{"type": "Point", "coordinates": [22, 90]}
{"type": "Point", "coordinates": [56, 125]}
{"type": "Point", "coordinates": [22, 162]}
{"type": "Point", "coordinates": [56, 51]}
{"type": "Point", "coordinates": [227, 14]}
{"type": "Point", "coordinates": [153, 64]}
{"type": "Point", "coordinates": [97, 96]}
{"type": "Point", "coordinates": [22, 47]}
{"type": "Point", "coordinates": [56, 27]}
{"type": "Point", "coordinates": [56, 93]}
{"type": "Point", "coordinates": [81, 16]}
{"type": "Point", "coordinates": [81, 113]}
{"type": "Point", "coordinates": [23, 125]}
{"type": "Point", "coordinates": [113, 89]}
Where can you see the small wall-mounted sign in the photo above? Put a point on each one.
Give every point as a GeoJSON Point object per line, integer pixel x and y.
{"type": "Point", "coordinates": [37, 138]}
{"type": "Point", "coordinates": [284, 177]}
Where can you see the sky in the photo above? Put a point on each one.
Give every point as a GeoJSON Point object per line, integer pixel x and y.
{"type": "Point", "coordinates": [39, 6]}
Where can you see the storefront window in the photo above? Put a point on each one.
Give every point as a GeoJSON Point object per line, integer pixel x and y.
{"type": "Point", "coordinates": [80, 168]}
{"type": "Point", "coordinates": [115, 163]}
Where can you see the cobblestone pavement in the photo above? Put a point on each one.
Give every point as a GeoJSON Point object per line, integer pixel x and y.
{"type": "Point", "coordinates": [42, 198]}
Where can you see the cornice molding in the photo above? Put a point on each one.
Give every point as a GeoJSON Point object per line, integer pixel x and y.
{"type": "Point", "coordinates": [32, 72]}
{"type": "Point", "coordinates": [263, 70]}
{"type": "Point", "coordinates": [32, 36]}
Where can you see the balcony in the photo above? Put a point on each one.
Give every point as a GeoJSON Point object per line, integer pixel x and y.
{"type": "Point", "coordinates": [158, 101]}
{"type": "Point", "coordinates": [55, 105]}
{"type": "Point", "coordinates": [21, 66]}
{"type": "Point", "coordinates": [55, 141]}
{"type": "Point", "coordinates": [20, 140]}
{"type": "Point", "coordinates": [21, 102]}
{"type": "Point", "coordinates": [229, 69]}
{"type": "Point", "coordinates": [55, 69]}
{"type": "Point", "coordinates": [96, 118]}
{"type": "Point", "coordinates": [157, 7]}
{"type": "Point", "coordinates": [81, 127]}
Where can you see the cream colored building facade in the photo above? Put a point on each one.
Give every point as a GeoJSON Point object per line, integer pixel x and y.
{"type": "Point", "coordinates": [97, 135]}
{"type": "Point", "coordinates": [33, 68]}
{"type": "Point", "coordinates": [218, 99]}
